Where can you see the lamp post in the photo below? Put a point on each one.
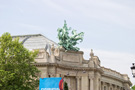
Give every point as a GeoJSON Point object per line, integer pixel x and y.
{"type": "Point", "coordinates": [133, 70]}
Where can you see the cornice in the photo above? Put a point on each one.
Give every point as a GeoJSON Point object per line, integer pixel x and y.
{"type": "Point", "coordinates": [116, 78]}
{"type": "Point", "coordinates": [113, 77]}
{"type": "Point", "coordinates": [68, 67]}
{"type": "Point", "coordinates": [111, 70]}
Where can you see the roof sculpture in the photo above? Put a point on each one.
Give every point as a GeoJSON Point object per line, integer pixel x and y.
{"type": "Point", "coordinates": [69, 42]}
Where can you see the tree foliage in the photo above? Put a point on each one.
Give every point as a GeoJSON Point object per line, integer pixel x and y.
{"type": "Point", "coordinates": [69, 42]}
{"type": "Point", "coordinates": [16, 69]}
{"type": "Point", "coordinates": [65, 86]}
{"type": "Point", "coordinates": [133, 87]}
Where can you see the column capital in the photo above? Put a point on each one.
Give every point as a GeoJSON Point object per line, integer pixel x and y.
{"type": "Point", "coordinates": [91, 76]}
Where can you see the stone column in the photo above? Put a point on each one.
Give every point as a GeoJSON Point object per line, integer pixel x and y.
{"type": "Point", "coordinates": [96, 84]}
{"type": "Point", "coordinates": [84, 83]}
{"type": "Point", "coordinates": [78, 83]}
{"type": "Point", "coordinates": [109, 86]}
{"type": "Point", "coordinates": [102, 86]}
{"type": "Point", "coordinates": [91, 80]}
{"type": "Point", "coordinates": [99, 84]}
{"type": "Point", "coordinates": [115, 87]}
{"type": "Point", "coordinates": [97, 81]}
{"type": "Point", "coordinates": [91, 83]}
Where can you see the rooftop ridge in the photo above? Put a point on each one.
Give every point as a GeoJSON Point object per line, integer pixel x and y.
{"type": "Point", "coordinates": [33, 35]}
{"type": "Point", "coordinates": [27, 35]}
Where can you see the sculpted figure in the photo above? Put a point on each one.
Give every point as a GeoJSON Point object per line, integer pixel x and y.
{"type": "Point", "coordinates": [69, 42]}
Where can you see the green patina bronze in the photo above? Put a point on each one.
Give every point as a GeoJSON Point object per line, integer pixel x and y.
{"type": "Point", "coordinates": [69, 42]}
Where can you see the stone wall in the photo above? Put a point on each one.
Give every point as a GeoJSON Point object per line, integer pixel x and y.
{"type": "Point", "coordinates": [80, 74]}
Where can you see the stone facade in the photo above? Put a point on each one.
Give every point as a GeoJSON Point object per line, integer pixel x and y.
{"type": "Point", "coordinates": [80, 74]}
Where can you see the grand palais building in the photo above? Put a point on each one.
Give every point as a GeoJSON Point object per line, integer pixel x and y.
{"type": "Point", "coordinates": [80, 74]}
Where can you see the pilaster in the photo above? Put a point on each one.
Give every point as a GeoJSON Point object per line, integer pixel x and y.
{"type": "Point", "coordinates": [84, 83]}
{"type": "Point", "coordinates": [97, 81]}
{"type": "Point", "coordinates": [91, 84]}
{"type": "Point", "coordinates": [78, 83]}
{"type": "Point", "coordinates": [102, 85]}
{"type": "Point", "coordinates": [91, 80]}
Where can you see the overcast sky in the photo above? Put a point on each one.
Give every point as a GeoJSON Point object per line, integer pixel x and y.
{"type": "Point", "coordinates": [109, 25]}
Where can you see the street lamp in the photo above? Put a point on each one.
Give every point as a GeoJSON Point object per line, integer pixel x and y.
{"type": "Point", "coordinates": [133, 70]}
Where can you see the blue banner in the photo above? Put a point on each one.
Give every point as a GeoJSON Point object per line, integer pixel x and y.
{"type": "Point", "coordinates": [51, 83]}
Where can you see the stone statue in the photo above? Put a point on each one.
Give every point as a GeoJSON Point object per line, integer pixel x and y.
{"type": "Point", "coordinates": [66, 41]}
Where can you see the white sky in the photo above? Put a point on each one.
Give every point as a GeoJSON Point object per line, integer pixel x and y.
{"type": "Point", "coordinates": [109, 25]}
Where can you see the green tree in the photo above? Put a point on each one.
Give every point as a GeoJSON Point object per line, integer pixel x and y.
{"type": "Point", "coordinates": [65, 86]}
{"type": "Point", "coordinates": [133, 87]}
{"type": "Point", "coordinates": [17, 71]}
